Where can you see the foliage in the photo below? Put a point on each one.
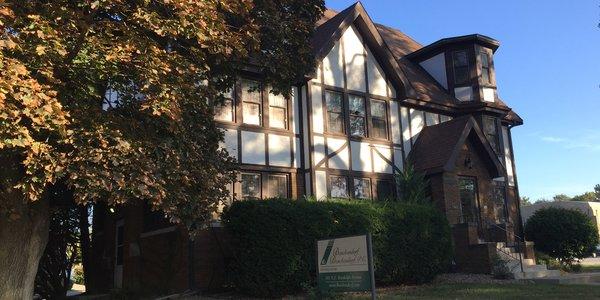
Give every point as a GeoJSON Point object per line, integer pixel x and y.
{"type": "Point", "coordinates": [525, 201]}
{"type": "Point", "coordinates": [551, 262]}
{"type": "Point", "coordinates": [561, 197]}
{"type": "Point", "coordinates": [274, 241]}
{"type": "Point", "coordinates": [168, 62]}
{"type": "Point", "coordinates": [53, 277]}
{"type": "Point", "coordinates": [562, 233]}
{"type": "Point", "coordinates": [587, 196]}
{"type": "Point", "coordinates": [413, 186]}
{"type": "Point", "coordinates": [78, 274]}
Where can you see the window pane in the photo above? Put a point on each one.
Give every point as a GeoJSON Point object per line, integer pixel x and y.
{"type": "Point", "coordinates": [277, 100]}
{"type": "Point", "coordinates": [491, 132]}
{"type": "Point", "coordinates": [278, 186]}
{"type": "Point", "coordinates": [499, 197]}
{"type": "Point", "coordinates": [333, 101]}
{"type": "Point", "coordinates": [362, 188]}
{"type": "Point", "coordinates": [251, 187]}
{"type": "Point", "coordinates": [468, 199]}
{"type": "Point", "coordinates": [277, 117]}
{"type": "Point", "coordinates": [250, 91]}
{"type": "Point", "coordinates": [485, 75]}
{"type": "Point", "coordinates": [339, 186]}
{"type": "Point", "coordinates": [378, 109]}
{"type": "Point", "coordinates": [336, 122]}
{"type": "Point", "coordinates": [484, 60]}
{"type": "Point", "coordinates": [379, 129]}
{"type": "Point", "coordinates": [385, 190]}
{"type": "Point", "coordinates": [357, 126]}
{"type": "Point", "coordinates": [224, 112]}
{"type": "Point", "coordinates": [461, 67]}
{"type": "Point", "coordinates": [251, 113]}
{"type": "Point", "coordinates": [356, 105]}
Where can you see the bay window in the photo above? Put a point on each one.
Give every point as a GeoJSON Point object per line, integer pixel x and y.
{"type": "Point", "coordinates": [485, 67]}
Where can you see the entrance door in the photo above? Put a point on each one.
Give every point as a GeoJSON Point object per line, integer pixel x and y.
{"type": "Point", "coordinates": [469, 203]}
{"type": "Point", "coordinates": [118, 278]}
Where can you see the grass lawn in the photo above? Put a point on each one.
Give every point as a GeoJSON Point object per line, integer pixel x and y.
{"type": "Point", "coordinates": [492, 291]}
{"type": "Point", "coordinates": [590, 268]}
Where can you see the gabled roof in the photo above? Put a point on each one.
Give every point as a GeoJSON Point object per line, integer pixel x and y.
{"type": "Point", "coordinates": [420, 87]}
{"type": "Point", "coordinates": [472, 38]}
{"type": "Point", "coordinates": [438, 147]}
{"type": "Point", "coordinates": [329, 31]}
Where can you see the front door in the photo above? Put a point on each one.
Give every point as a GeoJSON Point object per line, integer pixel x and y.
{"type": "Point", "coordinates": [118, 276]}
{"type": "Point", "coordinates": [469, 202]}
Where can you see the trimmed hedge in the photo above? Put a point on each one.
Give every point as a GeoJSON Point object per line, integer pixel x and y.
{"type": "Point", "coordinates": [562, 233]}
{"type": "Point", "coordinates": [274, 241]}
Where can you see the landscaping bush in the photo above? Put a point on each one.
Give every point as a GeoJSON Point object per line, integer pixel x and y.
{"type": "Point", "coordinates": [274, 241]}
{"type": "Point", "coordinates": [562, 233]}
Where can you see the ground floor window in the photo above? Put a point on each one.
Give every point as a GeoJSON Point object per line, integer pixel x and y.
{"type": "Point", "coordinates": [468, 199]}
{"type": "Point", "coordinates": [251, 186]}
{"type": "Point", "coordinates": [278, 186]}
{"type": "Point", "coordinates": [499, 198]}
{"type": "Point", "coordinates": [341, 186]}
{"type": "Point", "coordinates": [338, 186]}
{"type": "Point", "coordinates": [262, 185]}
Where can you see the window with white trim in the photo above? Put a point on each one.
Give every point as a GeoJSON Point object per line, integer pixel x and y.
{"type": "Point", "coordinates": [251, 102]}
{"type": "Point", "coordinates": [278, 111]}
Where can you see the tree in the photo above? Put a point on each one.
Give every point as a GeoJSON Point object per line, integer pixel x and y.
{"type": "Point", "coordinates": [597, 191]}
{"type": "Point", "coordinates": [561, 197]}
{"type": "Point", "coordinates": [525, 201]}
{"type": "Point", "coordinates": [167, 63]}
{"type": "Point", "coordinates": [562, 233]}
{"type": "Point", "coordinates": [413, 186]}
{"type": "Point", "coordinates": [588, 196]}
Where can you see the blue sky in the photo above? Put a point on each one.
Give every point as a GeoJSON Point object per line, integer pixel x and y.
{"type": "Point", "coordinates": [547, 70]}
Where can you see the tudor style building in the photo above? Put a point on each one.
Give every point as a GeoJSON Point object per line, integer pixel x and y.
{"type": "Point", "coordinates": [377, 101]}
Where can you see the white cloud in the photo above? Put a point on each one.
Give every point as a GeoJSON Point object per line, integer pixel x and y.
{"type": "Point", "coordinates": [552, 139]}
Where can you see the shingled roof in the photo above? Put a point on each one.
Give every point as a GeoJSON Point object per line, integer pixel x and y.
{"type": "Point", "coordinates": [438, 146]}
{"type": "Point", "coordinates": [419, 84]}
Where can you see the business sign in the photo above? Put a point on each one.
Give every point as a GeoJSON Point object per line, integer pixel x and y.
{"type": "Point", "coordinates": [345, 264]}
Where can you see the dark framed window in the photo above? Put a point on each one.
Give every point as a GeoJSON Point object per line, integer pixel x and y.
{"type": "Point", "coordinates": [335, 111]}
{"type": "Point", "coordinates": [277, 186]}
{"type": "Point", "coordinates": [469, 211]}
{"type": "Point", "coordinates": [119, 244]}
{"type": "Point", "coordinates": [490, 129]}
{"type": "Point", "coordinates": [358, 114]}
{"type": "Point", "coordinates": [225, 111]}
{"type": "Point", "coordinates": [485, 67]}
{"type": "Point", "coordinates": [499, 198]}
{"type": "Point", "coordinates": [386, 190]}
{"type": "Point", "coordinates": [379, 119]}
{"type": "Point", "coordinates": [278, 111]}
{"type": "Point", "coordinates": [338, 186]}
{"type": "Point", "coordinates": [362, 188]}
{"type": "Point", "coordinates": [251, 102]}
{"type": "Point", "coordinates": [460, 66]}
{"type": "Point", "coordinates": [251, 186]}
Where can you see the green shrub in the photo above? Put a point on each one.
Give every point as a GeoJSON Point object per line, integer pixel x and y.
{"type": "Point", "coordinates": [562, 233]}
{"type": "Point", "coordinates": [274, 241]}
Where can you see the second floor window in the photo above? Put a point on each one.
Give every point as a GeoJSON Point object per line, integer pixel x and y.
{"type": "Point", "coordinates": [335, 112]}
{"type": "Point", "coordinates": [277, 111]}
{"type": "Point", "coordinates": [379, 119]}
{"type": "Point", "coordinates": [491, 132]}
{"type": "Point", "coordinates": [225, 111]}
{"type": "Point", "coordinates": [251, 102]}
{"type": "Point", "coordinates": [356, 108]}
{"type": "Point", "coordinates": [460, 64]}
{"type": "Point", "coordinates": [485, 67]}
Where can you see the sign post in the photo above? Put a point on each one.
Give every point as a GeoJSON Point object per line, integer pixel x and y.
{"type": "Point", "coordinates": [345, 264]}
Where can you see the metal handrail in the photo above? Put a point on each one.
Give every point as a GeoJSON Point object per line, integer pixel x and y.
{"type": "Point", "coordinates": [519, 250]}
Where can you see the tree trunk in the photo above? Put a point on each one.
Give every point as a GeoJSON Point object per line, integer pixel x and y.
{"type": "Point", "coordinates": [23, 237]}
{"type": "Point", "coordinates": [84, 240]}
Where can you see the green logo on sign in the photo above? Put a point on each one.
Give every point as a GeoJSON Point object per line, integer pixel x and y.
{"type": "Point", "coordinates": [327, 252]}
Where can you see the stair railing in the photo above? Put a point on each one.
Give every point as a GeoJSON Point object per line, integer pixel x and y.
{"type": "Point", "coordinates": [519, 249]}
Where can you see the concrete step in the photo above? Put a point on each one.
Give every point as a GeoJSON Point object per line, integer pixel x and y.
{"type": "Point", "coordinates": [537, 274]}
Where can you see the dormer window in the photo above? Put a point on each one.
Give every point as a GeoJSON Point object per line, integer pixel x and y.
{"type": "Point", "coordinates": [460, 64]}
{"type": "Point", "coordinates": [485, 67]}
